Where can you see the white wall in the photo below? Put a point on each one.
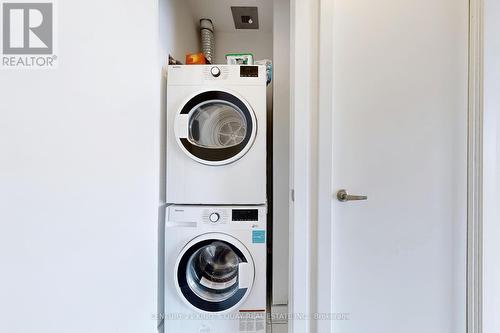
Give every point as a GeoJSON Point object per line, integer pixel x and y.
{"type": "Point", "coordinates": [256, 42]}
{"type": "Point", "coordinates": [178, 29]}
{"type": "Point", "coordinates": [491, 167]}
{"type": "Point", "coordinates": [79, 176]}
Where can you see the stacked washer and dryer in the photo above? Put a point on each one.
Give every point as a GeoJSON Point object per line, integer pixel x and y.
{"type": "Point", "coordinates": [215, 229]}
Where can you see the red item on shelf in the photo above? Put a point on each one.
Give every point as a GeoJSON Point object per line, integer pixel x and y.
{"type": "Point", "coordinates": [195, 59]}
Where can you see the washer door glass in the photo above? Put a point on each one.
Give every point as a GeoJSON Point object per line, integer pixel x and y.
{"type": "Point", "coordinates": [212, 272]}
{"type": "Point", "coordinates": [217, 124]}
{"type": "Point", "coordinates": [220, 129]}
{"type": "Point", "coordinates": [208, 275]}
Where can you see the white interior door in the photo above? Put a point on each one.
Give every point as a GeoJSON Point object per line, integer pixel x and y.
{"type": "Point", "coordinates": [399, 137]}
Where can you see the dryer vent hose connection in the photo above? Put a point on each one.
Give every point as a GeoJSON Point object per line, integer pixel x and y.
{"type": "Point", "coordinates": [207, 39]}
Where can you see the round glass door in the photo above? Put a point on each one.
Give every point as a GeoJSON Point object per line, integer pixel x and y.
{"type": "Point", "coordinates": [221, 128]}
{"type": "Point", "coordinates": [216, 125]}
{"type": "Point", "coordinates": [209, 275]}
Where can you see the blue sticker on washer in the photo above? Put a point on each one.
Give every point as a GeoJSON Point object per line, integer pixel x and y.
{"type": "Point", "coordinates": [258, 236]}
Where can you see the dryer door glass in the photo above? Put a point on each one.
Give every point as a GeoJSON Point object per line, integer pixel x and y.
{"type": "Point", "coordinates": [221, 127]}
{"type": "Point", "coordinates": [217, 124]}
{"type": "Point", "coordinates": [208, 275]}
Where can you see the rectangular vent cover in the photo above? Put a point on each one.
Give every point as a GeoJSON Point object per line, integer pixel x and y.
{"type": "Point", "coordinates": [245, 17]}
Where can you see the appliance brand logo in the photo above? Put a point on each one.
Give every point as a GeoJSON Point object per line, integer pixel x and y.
{"type": "Point", "coordinates": [28, 35]}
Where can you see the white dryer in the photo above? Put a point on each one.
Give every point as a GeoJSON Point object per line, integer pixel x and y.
{"type": "Point", "coordinates": [216, 134]}
{"type": "Point", "coordinates": [215, 269]}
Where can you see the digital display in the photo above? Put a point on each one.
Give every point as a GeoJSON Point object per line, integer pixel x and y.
{"type": "Point", "coordinates": [245, 215]}
{"type": "Point", "coordinates": [249, 71]}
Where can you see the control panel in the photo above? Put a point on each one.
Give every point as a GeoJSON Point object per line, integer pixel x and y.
{"type": "Point", "coordinates": [217, 215]}
{"type": "Point", "coordinates": [231, 75]}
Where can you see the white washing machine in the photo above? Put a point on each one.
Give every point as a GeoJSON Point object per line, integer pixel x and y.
{"type": "Point", "coordinates": [215, 269]}
{"type": "Point", "coordinates": [216, 134]}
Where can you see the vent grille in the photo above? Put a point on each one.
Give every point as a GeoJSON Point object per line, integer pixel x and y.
{"type": "Point", "coordinates": [245, 17]}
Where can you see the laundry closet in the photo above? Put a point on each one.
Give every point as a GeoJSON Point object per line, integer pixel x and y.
{"type": "Point", "coordinates": [240, 49]}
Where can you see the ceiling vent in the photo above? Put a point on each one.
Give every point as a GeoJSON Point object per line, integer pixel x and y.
{"type": "Point", "coordinates": [245, 17]}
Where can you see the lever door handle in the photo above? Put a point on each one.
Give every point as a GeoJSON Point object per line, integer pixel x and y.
{"type": "Point", "coordinates": [343, 196]}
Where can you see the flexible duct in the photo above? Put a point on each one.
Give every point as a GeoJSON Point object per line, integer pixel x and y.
{"type": "Point", "coordinates": [207, 39]}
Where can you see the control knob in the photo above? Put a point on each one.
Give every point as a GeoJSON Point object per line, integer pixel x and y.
{"type": "Point", "coordinates": [215, 71]}
{"type": "Point", "coordinates": [214, 217]}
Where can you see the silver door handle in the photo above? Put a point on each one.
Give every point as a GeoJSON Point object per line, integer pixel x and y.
{"type": "Point", "coordinates": [342, 196]}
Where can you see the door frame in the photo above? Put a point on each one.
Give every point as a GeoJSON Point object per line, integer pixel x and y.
{"type": "Point", "coordinates": [304, 56]}
{"type": "Point", "coordinates": [311, 159]}
{"type": "Point", "coordinates": [475, 169]}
